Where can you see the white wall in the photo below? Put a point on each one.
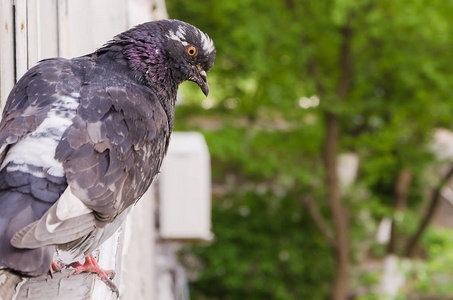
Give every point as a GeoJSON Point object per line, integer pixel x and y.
{"type": "Point", "coordinates": [66, 28]}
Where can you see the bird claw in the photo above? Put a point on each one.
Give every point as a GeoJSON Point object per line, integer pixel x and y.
{"type": "Point", "coordinates": [108, 281]}
{"type": "Point", "coordinates": [91, 266]}
{"type": "Point", "coordinates": [56, 266]}
{"type": "Point", "coordinates": [110, 274]}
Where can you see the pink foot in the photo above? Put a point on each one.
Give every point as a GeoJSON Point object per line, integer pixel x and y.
{"type": "Point", "coordinates": [92, 266]}
{"type": "Point", "coordinates": [55, 266]}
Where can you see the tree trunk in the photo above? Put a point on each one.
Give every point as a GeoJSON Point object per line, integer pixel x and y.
{"type": "Point", "coordinates": [400, 203]}
{"type": "Point", "coordinates": [339, 213]}
{"type": "Point", "coordinates": [340, 243]}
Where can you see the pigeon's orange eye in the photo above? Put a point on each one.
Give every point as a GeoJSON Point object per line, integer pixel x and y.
{"type": "Point", "coordinates": [191, 50]}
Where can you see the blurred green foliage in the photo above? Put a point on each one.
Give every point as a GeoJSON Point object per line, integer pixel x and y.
{"type": "Point", "coordinates": [434, 276]}
{"type": "Point", "coordinates": [261, 251]}
{"type": "Point", "coordinates": [265, 130]}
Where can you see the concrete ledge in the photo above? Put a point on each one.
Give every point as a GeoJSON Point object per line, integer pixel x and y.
{"type": "Point", "coordinates": [130, 252]}
{"type": "Point", "coordinates": [9, 284]}
{"type": "Point", "coordinates": [60, 286]}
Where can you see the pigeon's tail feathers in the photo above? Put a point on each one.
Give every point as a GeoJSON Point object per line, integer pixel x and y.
{"type": "Point", "coordinates": [51, 230]}
{"type": "Point", "coordinates": [65, 223]}
{"type": "Point", "coordinates": [87, 244]}
{"type": "Point", "coordinates": [17, 210]}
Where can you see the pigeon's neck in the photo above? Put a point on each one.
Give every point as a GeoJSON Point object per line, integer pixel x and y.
{"type": "Point", "coordinates": [166, 89]}
{"type": "Point", "coordinates": [152, 65]}
{"type": "Point", "coordinates": [149, 68]}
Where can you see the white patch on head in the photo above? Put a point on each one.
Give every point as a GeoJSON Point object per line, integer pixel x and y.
{"type": "Point", "coordinates": [171, 35]}
{"type": "Point", "coordinates": [207, 43]}
{"type": "Point", "coordinates": [181, 33]}
{"type": "Point", "coordinates": [179, 36]}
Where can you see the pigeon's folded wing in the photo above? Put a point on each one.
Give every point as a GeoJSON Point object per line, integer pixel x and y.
{"type": "Point", "coordinates": [117, 137]}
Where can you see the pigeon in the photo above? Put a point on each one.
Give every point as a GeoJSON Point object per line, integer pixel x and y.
{"type": "Point", "coordinates": [82, 139]}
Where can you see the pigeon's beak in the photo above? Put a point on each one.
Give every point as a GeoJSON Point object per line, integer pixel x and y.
{"type": "Point", "coordinates": [201, 79]}
{"type": "Point", "coordinates": [203, 83]}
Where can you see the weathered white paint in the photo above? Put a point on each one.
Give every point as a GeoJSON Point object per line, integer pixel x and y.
{"type": "Point", "coordinates": [63, 33]}
{"type": "Point", "coordinates": [137, 263]}
{"type": "Point", "coordinates": [7, 64]}
{"type": "Point", "coordinates": [159, 11]}
{"type": "Point", "coordinates": [141, 11]}
{"type": "Point", "coordinates": [48, 30]}
{"type": "Point", "coordinates": [108, 255]}
{"type": "Point", "coordinates": [102, 19]}
{"type": "Point", "coordinates": [33, 32]}
{"type": "Point", "coordinates": [21, 38]}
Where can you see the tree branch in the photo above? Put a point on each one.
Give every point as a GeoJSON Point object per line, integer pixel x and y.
{"type": "Point", "coordinates": [346, 62]}
{"type": "Point", "coordinates": [319, 220]}
{"type": "Point", "coordinates": [429, 214]}
{"type": "Point", "coordinates": [314, 73]}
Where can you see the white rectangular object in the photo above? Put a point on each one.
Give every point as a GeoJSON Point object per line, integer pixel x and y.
{"type": "Point", "coordinates": [185, 189]}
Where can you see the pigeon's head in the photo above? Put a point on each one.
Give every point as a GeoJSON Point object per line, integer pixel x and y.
{"type": "Point", "coordinates": [190, 52]}
{"type": "Point", "coordinates": [164, 54]}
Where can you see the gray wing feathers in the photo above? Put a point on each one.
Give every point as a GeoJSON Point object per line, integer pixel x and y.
{"type": "Point", "coordinates": [106, 152]}
{"type": "Point", "coordinates": [39, 233]}
{"type": "Point", "coordinates": [106, 182]}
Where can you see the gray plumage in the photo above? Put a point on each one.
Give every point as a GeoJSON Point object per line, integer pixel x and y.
{"type": "Point", "coordinates": [82, 139]}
